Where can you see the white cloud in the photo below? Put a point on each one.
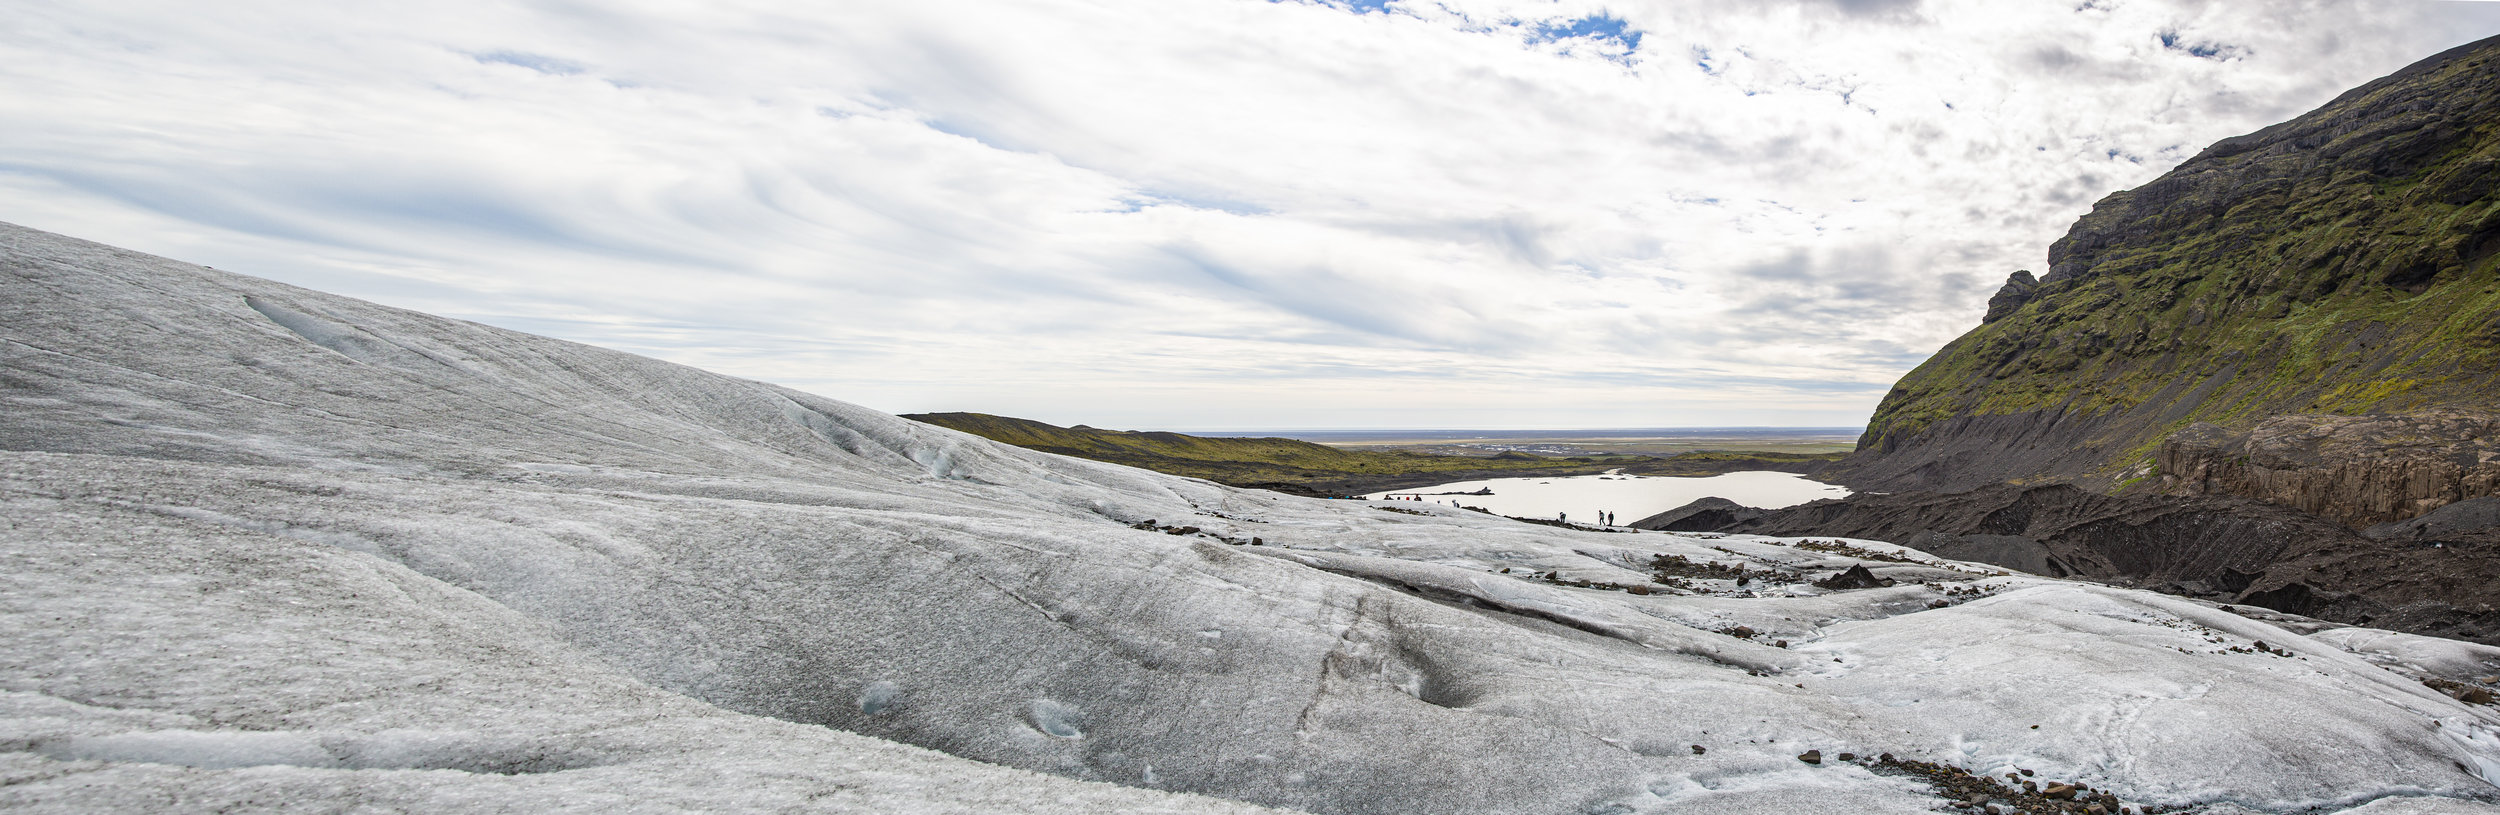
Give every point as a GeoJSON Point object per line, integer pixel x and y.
{"type": "Point", "coordinates": [1173, 213]}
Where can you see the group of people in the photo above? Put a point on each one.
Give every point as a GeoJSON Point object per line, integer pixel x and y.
{"type": "Point", "coordinates": [1604, 518]}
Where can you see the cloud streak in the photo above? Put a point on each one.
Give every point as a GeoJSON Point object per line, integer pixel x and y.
{"type": "Point", "coordinates": [1194, 214]}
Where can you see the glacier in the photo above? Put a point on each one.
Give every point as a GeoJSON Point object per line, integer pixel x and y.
{"type": "Point", "coordinates": [270, 549]}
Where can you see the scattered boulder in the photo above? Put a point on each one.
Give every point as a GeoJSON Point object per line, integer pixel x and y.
{"type": "Point", "coordinates": [1857, 577]}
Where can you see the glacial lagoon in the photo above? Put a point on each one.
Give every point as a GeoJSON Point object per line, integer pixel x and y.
{"type": "Point", "coordinates": [1629, 497]}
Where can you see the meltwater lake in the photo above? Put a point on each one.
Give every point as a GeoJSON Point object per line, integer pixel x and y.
{"type": "Point", "coordinates": [1629, 497]}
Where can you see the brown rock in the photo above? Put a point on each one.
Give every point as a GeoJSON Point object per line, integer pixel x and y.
{"type": "Point", "coordinates": [2355, 469]}
{"type": "Point", "coordinates": [1856, 577]}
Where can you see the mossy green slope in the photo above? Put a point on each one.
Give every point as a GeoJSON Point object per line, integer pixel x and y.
{"type": "Point", "coordinates": [2340, 263]}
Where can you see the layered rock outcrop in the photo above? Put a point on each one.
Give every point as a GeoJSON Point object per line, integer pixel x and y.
{"type": "Point", "coordinates": [2356, 469]}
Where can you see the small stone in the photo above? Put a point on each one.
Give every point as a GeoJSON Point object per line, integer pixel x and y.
{"type": "Point", "coordinates": [2059, 791]}
{"type": "Point", "coordinates": [2096, 809]}
{"type": "Point", "coordinates": [1698, 749]}
{"type": "Point", "coordinates": [1885, 758]}
{"type": "Point", "coordinates": [1811, 757]}
{"type": "Point", "coordinates": [1741, 632]}
{"type": "Point", "coordinates": [1848, 756]}
{"type": "Point", "coordinates": [2027, 773]}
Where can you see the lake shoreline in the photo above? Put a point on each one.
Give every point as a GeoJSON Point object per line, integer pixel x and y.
{"type": "Point", "coordinates": [1615, 498]}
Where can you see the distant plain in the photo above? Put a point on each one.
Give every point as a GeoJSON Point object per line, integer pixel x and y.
{"type": "Point", "coordinates": [1653, 441]}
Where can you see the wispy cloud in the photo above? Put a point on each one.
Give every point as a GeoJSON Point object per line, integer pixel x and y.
{"type": "Point", "coordinates": [1173, 213]}
{"type": "Point", "coordinates": [537, 62]}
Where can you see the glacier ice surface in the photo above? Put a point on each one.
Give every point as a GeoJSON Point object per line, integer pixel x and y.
{"type": "Point", "coordinates": [267, 548]}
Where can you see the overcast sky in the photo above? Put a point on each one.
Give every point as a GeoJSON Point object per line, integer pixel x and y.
{"type": "Point", "coordinates": [1173, 214]}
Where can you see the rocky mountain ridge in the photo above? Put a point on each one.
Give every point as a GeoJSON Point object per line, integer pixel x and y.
{"type": "Point", "coordinates": [2341, 263]}
{"type": "Point", "coordinates": [2271, 376]}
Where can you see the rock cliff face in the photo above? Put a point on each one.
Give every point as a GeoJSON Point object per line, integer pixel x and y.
{"type": "Point", "coordinates": [2271, 376]}
{"type": "Point", "coordinates": [2354, 469]}
{"type": "Point", "coordinates": [2339, 264]}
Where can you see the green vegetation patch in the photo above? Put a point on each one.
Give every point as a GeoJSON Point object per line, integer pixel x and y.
{"type": "Point", "coordinates": [2343, 263]}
